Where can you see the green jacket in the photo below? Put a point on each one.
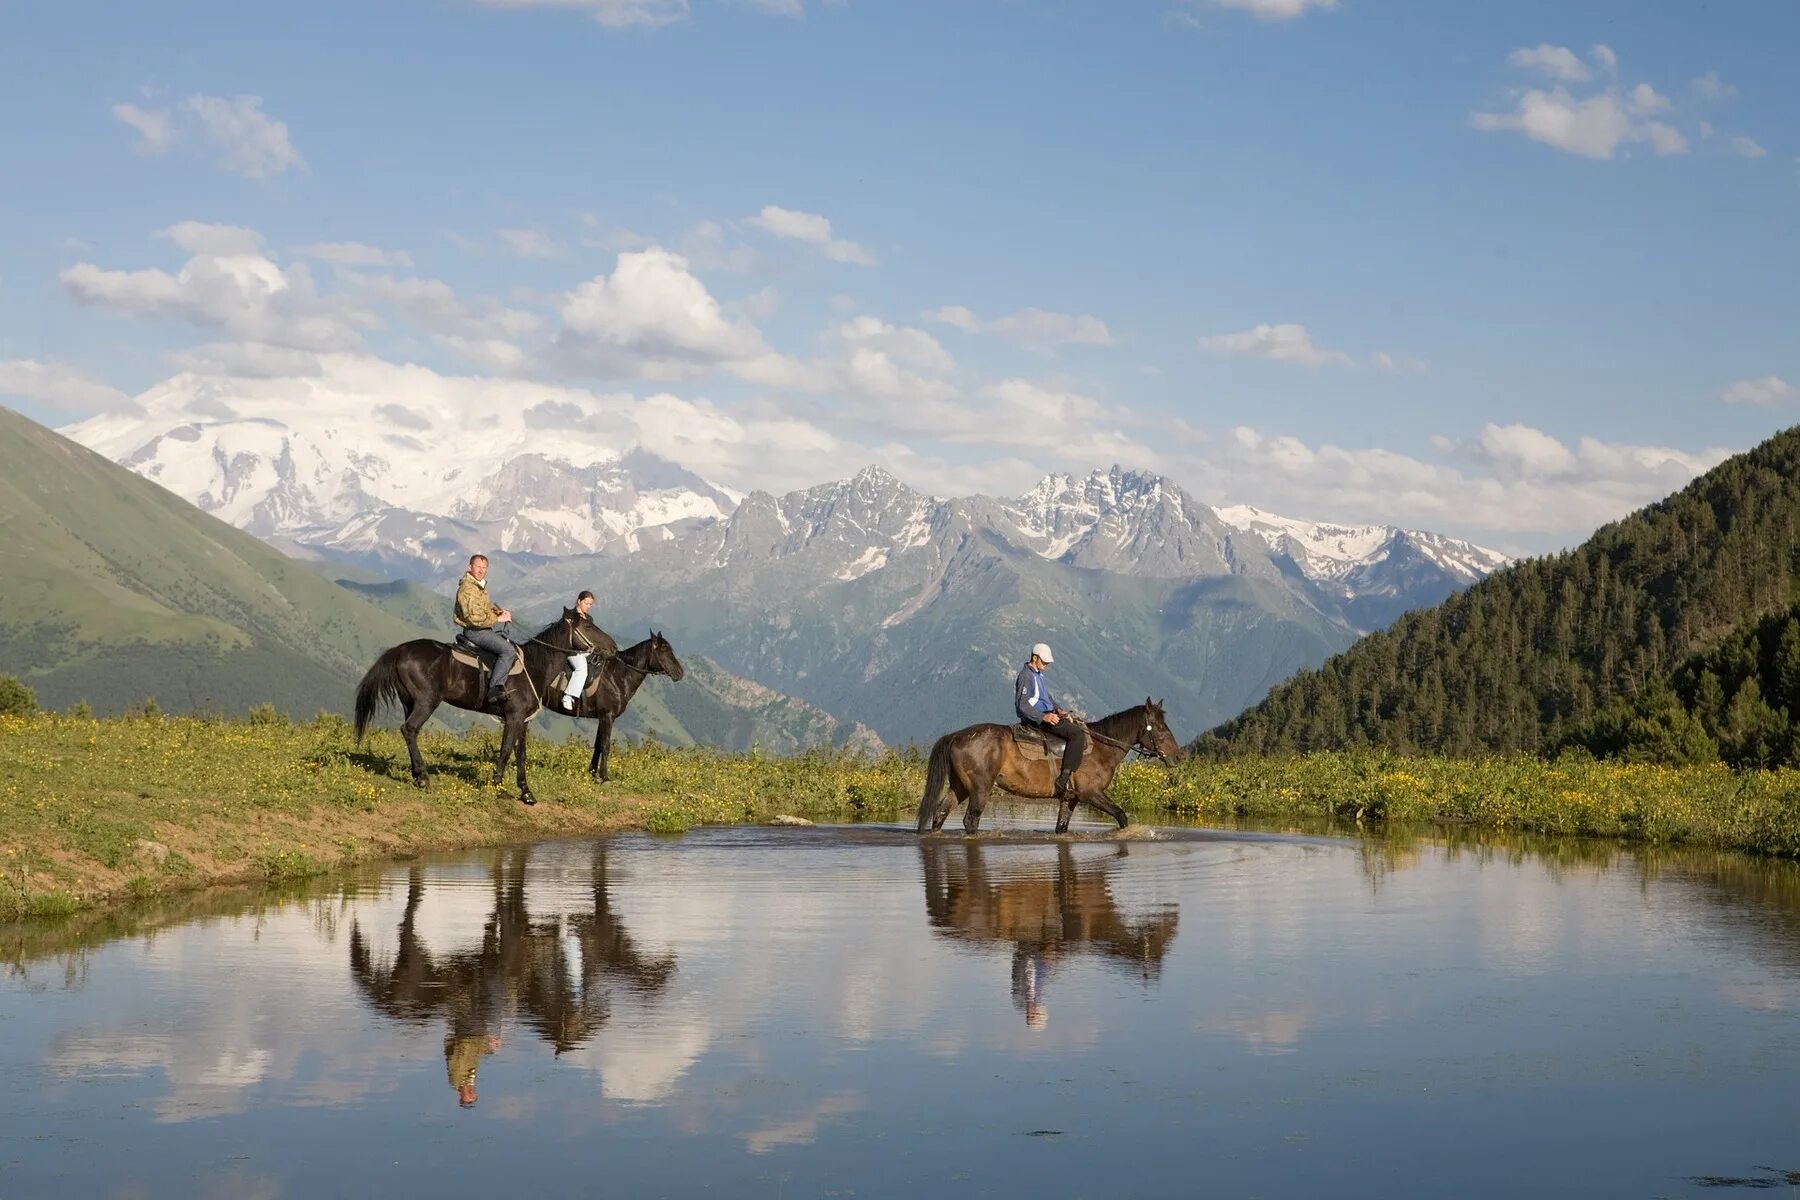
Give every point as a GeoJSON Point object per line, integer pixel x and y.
{"type": "Point", "coordinates": [474, 609]}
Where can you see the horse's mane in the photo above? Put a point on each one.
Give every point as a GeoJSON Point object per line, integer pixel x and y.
{"type": "Point", "coordinates": [1105, 724]}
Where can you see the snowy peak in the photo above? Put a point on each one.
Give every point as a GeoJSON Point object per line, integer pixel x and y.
{"type": "Point", "coordinates": [1131, 522]}
{"type": "Point", "coordinates": [1329, 552]}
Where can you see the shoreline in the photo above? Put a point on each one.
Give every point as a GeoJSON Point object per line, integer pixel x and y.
{"type": "Point", "coordinates": [101, 814]}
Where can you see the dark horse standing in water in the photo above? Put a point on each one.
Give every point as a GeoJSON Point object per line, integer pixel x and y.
{"type": "Point", "coordinates": [973, 761]}
{"type": "Point", "coordinates": [614, 683]}
{"type": "Point", "coordinates": [420, 675]}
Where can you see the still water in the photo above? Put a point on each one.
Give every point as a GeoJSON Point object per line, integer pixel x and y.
{"type": "Point", "coordinates": [851, 1012]}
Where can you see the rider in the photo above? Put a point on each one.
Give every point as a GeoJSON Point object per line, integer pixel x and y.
{"type": "Point", "coordinates": [1035, 707]}
{"type": "Point", "coordinates": [477, 615]}
{"type": "Point", "coordinates": [578, 663]}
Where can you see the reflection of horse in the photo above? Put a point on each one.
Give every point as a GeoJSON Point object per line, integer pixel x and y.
{"type": "Point", "coordinates": [1045, 912]}
{"type": "Point", "coordinates": [975, 760]}
{"type": "Point", "coordinates": [549, 973]}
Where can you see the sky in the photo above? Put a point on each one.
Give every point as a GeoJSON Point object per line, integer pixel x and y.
{"type": "Point", "coordinates": [1501, 271]}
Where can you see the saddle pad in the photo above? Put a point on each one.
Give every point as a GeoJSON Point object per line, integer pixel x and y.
{"type": "Point", "coordinates": [468, 659]}
{"type": "Point", "coordinates": [1033, 743]}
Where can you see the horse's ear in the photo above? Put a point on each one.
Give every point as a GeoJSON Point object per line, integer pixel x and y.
{"type": "Point", "coordinates": [1149, 703]}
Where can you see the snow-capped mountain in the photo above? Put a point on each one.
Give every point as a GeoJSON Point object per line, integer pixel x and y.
{"type": "Point", "coordinates": [1335, 553]}
{"type": "Point", "coordinates": [342, 473]}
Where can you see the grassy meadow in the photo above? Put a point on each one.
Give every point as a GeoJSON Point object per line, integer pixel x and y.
{"type": "Point", "coordinates": [98, 810]}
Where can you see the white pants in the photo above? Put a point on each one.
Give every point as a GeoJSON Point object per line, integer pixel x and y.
{"type": "Point", "coordinates": [578, 664]}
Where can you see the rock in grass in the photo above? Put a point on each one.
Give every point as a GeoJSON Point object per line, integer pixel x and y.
{"type": "Point", "coordinates": [785, 819]}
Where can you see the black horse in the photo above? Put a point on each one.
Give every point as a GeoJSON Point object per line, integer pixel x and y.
{"type": "Point", "coordinates": [420, 675]}
{"type": "Point", "coordinates": [615, 682]}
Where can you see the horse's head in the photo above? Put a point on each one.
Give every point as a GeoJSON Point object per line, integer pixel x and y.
{"type": "Point", "coordinates": [662, 658]}
{"type": "Point", "coordinates": [585, 636]}
{"type": "Point", "coordinates": [1153, 736]}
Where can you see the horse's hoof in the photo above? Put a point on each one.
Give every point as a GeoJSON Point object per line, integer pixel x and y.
{"type": "Point", "coordinates": [527, 799]}
{"type": "Point", "coordinates": [418, 781]}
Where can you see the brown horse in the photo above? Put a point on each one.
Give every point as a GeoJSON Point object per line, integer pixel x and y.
{"type": "Point", "coordinates": [973, 761]}
{"type": "Point", "coordinates": [420, 675]}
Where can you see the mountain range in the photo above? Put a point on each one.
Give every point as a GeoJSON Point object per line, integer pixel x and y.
{"type": "Point", "coordinates": [120, 591]}
{"type": "Point", "coordinates": [903, 612]}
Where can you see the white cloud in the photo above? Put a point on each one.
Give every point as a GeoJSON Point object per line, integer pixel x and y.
{"type": "Point", "coordinates": [483, 333]}
{"type": "Point", "coordinates": [904, 344]}
{"type": "Point", "coordinates": [1769, 390]}
{"type": "Point", "coordinates": [241, 293]}
{"type": "Point", "coordinates": [529, 243]}
{"type": "Point", "coordinates": [1274, 10]}
{"type": "Point", "coordinates": [1745, 147]}
{"type": "Point", "coordinates": [1291, 343]}
{"type": "Point", "coordinates": [198, 237]}
{"type": "Point", "coordinates": [1710, 87]}
{"type": "Point", "coordinates": [813, 229]}
{"type": "Point", "coordinates": [247, 140]}
{"type": "Point", "coordinates": [613, 14]}
{"type": "Point", "coordinates": [59, 386]}
{"type": "Point", "coordinates": [154, 128]}
{"type": "Point", "coordinates": [1035, 328]}
{"type": "Point", "coordinates": [355, 254]}
{"type": "Point", "coordinates": [1591, 126]}
{"type": "Point", "coordinates": [773, 8]}
{"type": "Point", "coordinates": [652, 317]}
{"type": "Point", "coordinates": [1558, 61]}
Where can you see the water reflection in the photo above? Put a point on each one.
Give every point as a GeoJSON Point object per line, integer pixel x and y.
{"type": "Point", "coordinates": [1047, 908]}
{"type": "Point", "coordinates": [553, 974]}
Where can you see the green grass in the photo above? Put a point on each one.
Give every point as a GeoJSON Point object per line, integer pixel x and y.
{"type": "Point", "coordinates": [130, 807]}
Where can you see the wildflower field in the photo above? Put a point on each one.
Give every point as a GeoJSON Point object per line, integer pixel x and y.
{"type": "Point", "coordinates": [135, 806]}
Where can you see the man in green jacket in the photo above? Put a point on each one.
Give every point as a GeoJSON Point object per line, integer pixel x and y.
{"type": "Point", "coordinates": [477, 615]}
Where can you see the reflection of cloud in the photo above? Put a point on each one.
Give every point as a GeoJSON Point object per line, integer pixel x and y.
{"type": "Point", "coordinates": [801, 1130]}
{"type": "Point", "coordinates": [1264, 1033]}
{"type": "Point", "coordinates": [645, 1052]}
{"type": "Point", "coordinates": [1757, 997]}
{"type": "Point", "coordinates": [203, 1082]}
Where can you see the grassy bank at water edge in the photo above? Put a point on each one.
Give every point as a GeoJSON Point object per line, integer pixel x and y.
{"type": "Point", "coordinates": [92, 810]}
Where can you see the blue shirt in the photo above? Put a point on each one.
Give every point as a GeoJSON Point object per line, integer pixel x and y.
{"type": "Point", "coordinates": [1031, 698]}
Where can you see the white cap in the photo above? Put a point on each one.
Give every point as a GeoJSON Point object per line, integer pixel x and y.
{"type": "Point", "coordinates": [1042, 651]}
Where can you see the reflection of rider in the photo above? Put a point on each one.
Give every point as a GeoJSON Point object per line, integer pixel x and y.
{"type": "Point", "coordinates": [477, 615]}
{"type": "Point", "coordinates": [1031, 698]}
{"type": "Point", "coordinates": [462, 1055]}
{"type": "Point", "coordinates": [578, 663]}
{"type": "Point", "coordinates": [1030, 970]}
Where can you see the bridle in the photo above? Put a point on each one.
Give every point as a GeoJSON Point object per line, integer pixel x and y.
{"type": "Point", "coordinates": [1136, 744]}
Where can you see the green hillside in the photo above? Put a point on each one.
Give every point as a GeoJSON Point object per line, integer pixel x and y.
{"type": "Point", "coordinates": [1532, 657]}
{"type": "Point", "coordinates": [118, 590]}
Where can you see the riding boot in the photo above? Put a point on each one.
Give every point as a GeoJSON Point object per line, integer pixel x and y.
{"type": "Point", "coordinates": [1064, 782]}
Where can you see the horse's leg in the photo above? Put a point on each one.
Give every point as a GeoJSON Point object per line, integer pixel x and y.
{"type": "Point", "coordinates": [507, 734]}
{"type": "Point", "coordinates": [603, 745]}
{"type": "Point", "coordinates": [955, 794]}
{"type": "Point", "coordinates": [1065, 810]}
{"type": "Point", "coordinates": [599, 734]}
{"type": "Point", "coordinates": [972, 814]}
{"type": "Point", "coordinates": [416, 716]}
{"type": "Point", "coordinates": [525, 796]}
{"type": "Point", "coordinates": [1105, 804]}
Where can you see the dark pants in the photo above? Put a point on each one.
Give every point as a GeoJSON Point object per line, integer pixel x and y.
{"type": "Point", "coordinates": [1073, 738]}
{"type": "Point", "coordinates": [499, 646]}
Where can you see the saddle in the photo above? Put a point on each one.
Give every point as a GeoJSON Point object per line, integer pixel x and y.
{"type": "Point", "coordinates": [481, 660]}
{"type": "Point", "coordinates": [1035, 743]}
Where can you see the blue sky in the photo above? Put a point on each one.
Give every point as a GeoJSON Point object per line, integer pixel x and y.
{"type": "Point", "coordinates": [1487, 269]}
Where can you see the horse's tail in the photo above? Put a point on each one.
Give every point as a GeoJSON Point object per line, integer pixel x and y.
{"type": "Point", "coordinates": [937, 774]}
{"type": "Point", "coordinates": [380, 686]}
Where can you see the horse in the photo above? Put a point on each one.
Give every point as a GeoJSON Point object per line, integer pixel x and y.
{"type": "Point", "coordinates": [612, 686]}
{"type": "Point", "coordinates": [420, 675]}
{"type": "Point", "coordinates": [974, 760]}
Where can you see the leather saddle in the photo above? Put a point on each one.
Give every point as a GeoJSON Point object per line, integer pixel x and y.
{"type": "Point", "coordinates": [481, 660]}
{"type": "Point", "coordinates": [1034, 743]}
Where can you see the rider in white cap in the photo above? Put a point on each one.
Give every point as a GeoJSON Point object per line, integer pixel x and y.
{"type": "Point", "coordinates": [1031, 697]}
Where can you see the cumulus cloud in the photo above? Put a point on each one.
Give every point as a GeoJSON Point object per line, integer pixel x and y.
{"type": "Point", "coordinates": [1745, 147]}
{"type": "Point", "coordinates": [813, 229]}
{"type": "Point", "coordinates": [1291, 343]}
{"type": "Point", "coordinates": [59, 386]}
{"type": "Point", "coordinates": [652, 317]}
{"type": "Point", "coordinates": [1767, 391]}
{"type": "Point", "coordinates": [1034, 328]}
{"type": "Point", "coordinates": [1269, 10]}
{"type": "Point", "coordinates": [613, 14]}
{"type": "Point", "coordinates": [246, 140]}
{"type": "Point", "coordinates": [529, 243]}
{"type": "Point", "coordinates": [1557, 61]}
{"type": "Point", "coordinates": [226, 288]}
{"type": "Point", "coordinates": [1593, 125]}
{"type": "Point", "coordinates": [1710, 87]}
{"type": "Point", "coordinates": [1509, 480]}
{"type": "Point", "coordinates": [354, 254]}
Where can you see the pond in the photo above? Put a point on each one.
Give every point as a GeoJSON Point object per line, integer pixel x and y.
{"type": "Point", "coordinates": [854, 1012]}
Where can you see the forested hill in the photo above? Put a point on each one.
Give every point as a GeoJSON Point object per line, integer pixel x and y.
{"type": "Point", "coordinates": [1529, 656]}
